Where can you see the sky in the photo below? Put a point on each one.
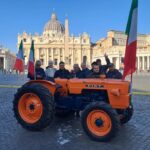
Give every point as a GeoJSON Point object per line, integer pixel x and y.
{"type": "Point", "coordinates": [96, 17]}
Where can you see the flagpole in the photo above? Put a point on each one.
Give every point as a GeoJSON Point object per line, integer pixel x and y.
{"type": "Point", "coordinates": [34, 72]}
{"type": "Point", "coordinates": [131, 78]}
{"type": "Point", "coordinates": [34, 63]}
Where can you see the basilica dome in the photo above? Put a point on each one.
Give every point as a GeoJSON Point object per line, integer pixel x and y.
{"type": "Point", "coordinates": [54, 26]}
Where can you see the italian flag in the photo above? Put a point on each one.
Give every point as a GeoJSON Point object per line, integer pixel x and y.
{"type": "Point", "coordinates": [31, 66]}
{"type": "Point", "coordinates": [19, 64]}
{"type": "Point", "coordinates": [131, 32]}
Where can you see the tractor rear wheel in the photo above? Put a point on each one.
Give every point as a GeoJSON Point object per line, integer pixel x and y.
{"type": "Point", "coordinates": [33, 106]}
{"type": "Point", "coordinates": [100, 121]}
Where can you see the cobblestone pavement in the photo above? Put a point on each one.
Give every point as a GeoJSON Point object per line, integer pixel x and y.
{"type": "Point", "coordinates": [68, 134]}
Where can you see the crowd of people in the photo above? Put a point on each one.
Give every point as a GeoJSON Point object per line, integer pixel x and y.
{"type": "Point", "coordinates": [97, 70]}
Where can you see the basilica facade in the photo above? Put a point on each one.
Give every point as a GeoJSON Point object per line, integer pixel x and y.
{"type": "Point", "coordinates": [57, 44]}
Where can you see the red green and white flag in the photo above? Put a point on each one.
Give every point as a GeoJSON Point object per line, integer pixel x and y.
{"type": "Point", "coordinates": [19, 64]}
{"type": "Point", "coordinates": [131, 31]}
{"type": "Point", "coordinates": [31, 67]}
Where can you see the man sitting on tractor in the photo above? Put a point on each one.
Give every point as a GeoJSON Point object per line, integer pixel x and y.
{"type": "Point", "coordinates": [113, 73]}
{"type": "Point", "coordinates": [96, 72]}
{"type": "Point", "coordinates": [62, 72]}
{"type": "Point", "coordinates": [50, 71]}
{"type": "Point", "coordinates": [76, 72]}
{"type": "Point", "coordinates": [85, 71]}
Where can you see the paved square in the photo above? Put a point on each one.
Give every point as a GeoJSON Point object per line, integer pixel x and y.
{"type": "Point", "coordinates": [67, 133]}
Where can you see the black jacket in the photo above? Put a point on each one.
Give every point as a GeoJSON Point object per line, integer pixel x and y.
{"type": "Point", "coordinates": [64, 74]}
{"type": "Point", "coordinates": [115, 74]}
{"type": "Point", "coordinates": [84, 73]}
{"type": "Point", "coordinates": [39, 72]}
{"type": "Point", "coordinates": [75, 74]}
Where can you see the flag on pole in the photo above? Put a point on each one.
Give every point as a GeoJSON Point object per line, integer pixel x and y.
{"type": "Point", "coordinates": [31, 67]}
{"type": "Point", "coordinates": [19, 64]}
{"type": "Point", "coordinates": [131, 32]}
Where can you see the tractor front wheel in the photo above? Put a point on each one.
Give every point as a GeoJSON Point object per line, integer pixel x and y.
{"type": "Point", "coordinates": [33, 107]}
{"type": "Point", "coordinates": [127, 114]}
{"type": "Point", "coordinates": [100, 121]}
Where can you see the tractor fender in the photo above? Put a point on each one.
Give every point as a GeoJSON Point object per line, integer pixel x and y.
{"type": "Point", "coordinates": [51, 86]}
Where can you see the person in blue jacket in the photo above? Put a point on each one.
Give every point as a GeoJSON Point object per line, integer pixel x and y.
{"type": "Point", "coordinates": [113, 73]}
{"type": "Point", "coordinates": [85, 71]}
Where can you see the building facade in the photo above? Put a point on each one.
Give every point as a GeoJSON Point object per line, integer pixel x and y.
{"type": "Point", "coordinates": [7, 60]}
{"type": "Point", "coordinates": [56, 44]}
{"type": "Point", "coordinates": [114, 45]}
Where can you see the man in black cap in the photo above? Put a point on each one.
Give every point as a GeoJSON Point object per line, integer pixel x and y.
{"type": "Point", "coordinates": [113, 73]}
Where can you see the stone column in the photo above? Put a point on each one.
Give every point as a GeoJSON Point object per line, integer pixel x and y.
{"type": "Point", "coordinates": [80, 54]}
{"type": "Point", "coordinates": [4, 62]}
{"type": "Point", "coordinates": [117, 63]}
{"type": "Point", "coordinates": [143, 64]}
{"type": "Point", "coordinates": [52, 54]}
{"type": "Point", "coordinates": [63, 53]}
{"type": "Point", "coordinates": [72, 61]}
{"type": "Point", "coordinates": [58, 50]}
{"type": "Point", "coordinates": [47, 56]}
{"type": "Point", "coordinates": [138, 63]}
{"type": "Point", "coordinates": [73, 55]}
{"type": "Point", "coordinates": [148, 63]}
{"type": "Point", "coordinates": [44, 57]}
{"type": "Point", "coordinates": [89, 56]}
{"type": "Point", "coordinates": [37, 57]}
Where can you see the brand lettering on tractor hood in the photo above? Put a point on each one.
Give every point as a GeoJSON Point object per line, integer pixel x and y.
{"type": "Point", "coordinates": [94, 86]}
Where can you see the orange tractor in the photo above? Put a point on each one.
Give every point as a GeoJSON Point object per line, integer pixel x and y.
{"type": "Point", "coordinates": [104, 104]}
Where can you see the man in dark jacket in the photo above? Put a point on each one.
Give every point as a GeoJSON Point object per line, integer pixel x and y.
{"type": "Point", "coordinates": [85, 71]}
{"type": "Point", "coordinates": [95, 72]}
{"type": "Point", "coordinates": [62, 72]}
{"type": "Point", "coordinates": [103, 68]}
{"type": "Point", "coordinates": [92, 65]}
{"type": "Point", "coordinates": [75, 73]}
{"type": "Point", "coordinates": [39, 72]}
{"type": "Point", "coordinates": [113, 73]}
